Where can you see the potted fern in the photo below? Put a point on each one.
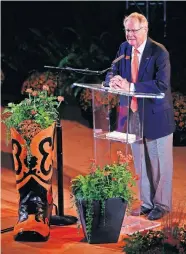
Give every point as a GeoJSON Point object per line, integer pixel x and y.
{"type": "Point", "coordinates": [102, 197]}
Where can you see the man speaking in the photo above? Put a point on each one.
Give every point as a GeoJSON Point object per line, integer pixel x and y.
{"type": "Point", "coordinates": [146, 69]}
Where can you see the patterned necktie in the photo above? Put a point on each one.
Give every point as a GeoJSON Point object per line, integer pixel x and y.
{"type": "Point", "coordinates": [134, 75]}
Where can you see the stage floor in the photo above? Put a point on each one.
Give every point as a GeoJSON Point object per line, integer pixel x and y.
{"type": "Point", "coordinates": [78, 150]}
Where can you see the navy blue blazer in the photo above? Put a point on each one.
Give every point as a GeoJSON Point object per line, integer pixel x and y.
{"type": "Point", "coordinates": [153, 77]}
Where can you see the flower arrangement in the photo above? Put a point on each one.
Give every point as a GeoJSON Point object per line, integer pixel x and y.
{"type": "Point", "coordinates": [111, 181]}
{"type": "Point", "coordinates": [171, 238]}
{"type": "Point", "coordinates": [110, 100]}
{"type": "Point", "coordinates": [179, 102]}
{"type": "Point", "coordinates": [33, 114]}
{"type": "Point", "coordinates": [37, 79]}
{"type": "Point", "coordinates": [157, 242]}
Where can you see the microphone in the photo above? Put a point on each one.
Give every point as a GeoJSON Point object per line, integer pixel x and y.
{"type": "Point", "coordinates": [106, 83]}
{"type": "Point", "coordinates": [118, 59]}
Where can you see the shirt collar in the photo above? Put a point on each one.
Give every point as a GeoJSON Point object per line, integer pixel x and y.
{"type": "Point", "coordinates": [140, 48]}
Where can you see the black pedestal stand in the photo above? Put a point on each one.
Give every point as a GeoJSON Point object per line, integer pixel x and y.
{"type": "Point", "coordinates": [60, 219]}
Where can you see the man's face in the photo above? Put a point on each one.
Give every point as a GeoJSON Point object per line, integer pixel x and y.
{"type": "Point", "coordinates": [135, 32]}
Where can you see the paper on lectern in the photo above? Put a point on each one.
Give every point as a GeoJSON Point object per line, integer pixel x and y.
{"type": "Point", "coordinates": [121, 136]}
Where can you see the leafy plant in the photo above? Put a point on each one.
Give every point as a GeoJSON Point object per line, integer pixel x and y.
{"type": "Point", "coordinates": [33, 114]}
{"type": "Point", "coordinates": [83, 52]}
{"type": "Point", "coordinates": [37, 79]}
{"type": "Point", "coordinates": [179, 102]}
{"type": "Point", "coordinates": [157, 242]}
{"type": "Point", "coordinates": [111, 181]}
{"type": "Point", "coordinates": [34, 48]}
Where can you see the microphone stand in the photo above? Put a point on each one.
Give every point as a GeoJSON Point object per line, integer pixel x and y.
{"type": "Point", "coordinates": [82, 71]}
{"type": "Point", "coordinates": [60, 219]}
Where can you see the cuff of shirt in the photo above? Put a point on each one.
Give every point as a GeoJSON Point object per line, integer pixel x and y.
{"type": "Point", "coordinates": [132, 87]}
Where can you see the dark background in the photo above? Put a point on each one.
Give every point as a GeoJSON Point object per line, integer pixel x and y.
{"type": "Point", "coordinates": [81, 23]}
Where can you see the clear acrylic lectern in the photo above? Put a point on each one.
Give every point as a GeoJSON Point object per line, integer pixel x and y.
{"type": "Point", "coordinates": [117, 128]}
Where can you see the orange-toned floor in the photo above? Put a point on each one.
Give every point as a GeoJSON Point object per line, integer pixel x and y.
{"type": "Point", "coordinates": [77, 149]}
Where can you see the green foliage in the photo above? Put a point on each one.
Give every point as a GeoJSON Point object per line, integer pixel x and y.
{"type": "Point", "coordinates": [111, 181]}
{"type": "Point", "coordinates": [81, 54]}
{"type": "Point", "coordinates": [35, 48]}
{"type": "Point", "coordinates": [38, 108]}
{"type": "Point", "coordinates": [36, 80]}
{"type": "Point", "coordinates": [141, 243]}
{"type": "Point", "coordinates": [157, 242]}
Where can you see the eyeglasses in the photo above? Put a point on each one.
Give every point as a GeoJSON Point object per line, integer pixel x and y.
{"type": "Point", "coordinates": [134, 31]}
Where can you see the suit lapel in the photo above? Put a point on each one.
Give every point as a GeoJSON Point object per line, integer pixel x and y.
{"type": "Point", "coordinates": [128, 57]}
{"type": "Point", "coordinates": [145, 59]}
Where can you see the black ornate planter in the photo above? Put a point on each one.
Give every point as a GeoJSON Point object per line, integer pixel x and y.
{"type": "Point", "coordinates": [179, 138]}
{"type": "Point", "coordinates": [105, 227]}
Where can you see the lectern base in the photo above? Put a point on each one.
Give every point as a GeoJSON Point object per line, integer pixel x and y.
{"type": "Point", "coordinates": [132, 224]}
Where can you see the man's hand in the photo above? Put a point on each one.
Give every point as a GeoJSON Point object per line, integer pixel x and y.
{"type": "Point", "coordinates": [117, 82]}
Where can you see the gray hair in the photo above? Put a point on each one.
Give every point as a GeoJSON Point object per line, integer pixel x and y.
{"type": "Point", "coordinates": [135, 15]}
